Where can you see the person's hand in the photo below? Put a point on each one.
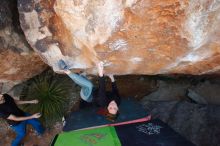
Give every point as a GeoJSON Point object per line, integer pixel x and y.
{"type": "Point", "coordinates": [35, 101]}
{"type": "Point", "coordinates": [37, 115]}
{"type": "Point", "coordinates": [65, 71]}
{"type": "Point", "coordinates": [100, 68]}
{"type": "Point", "coordinates": [111, 77]}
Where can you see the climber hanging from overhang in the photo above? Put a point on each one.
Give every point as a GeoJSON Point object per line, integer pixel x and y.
{"type": "Point", "coordinates": [107, 101]}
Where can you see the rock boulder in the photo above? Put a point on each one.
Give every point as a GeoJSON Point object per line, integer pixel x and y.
{"type": "Point", "coordinates": [131, 36]}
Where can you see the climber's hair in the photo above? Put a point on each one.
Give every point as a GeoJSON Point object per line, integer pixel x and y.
{"type": "Point", "coordinates": [110, 117]}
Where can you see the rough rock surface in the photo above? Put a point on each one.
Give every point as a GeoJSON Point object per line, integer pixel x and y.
{"type": "Point", "coordinates": [199, 89]}
{"type": "Point", "coordinates": [168, 91]}
{"type": "Point", "coordinates": [209, 92]}
{"type": "Point", "coordinates": [18, 60]}
{"type": "Point", "coordinates": [131, 36]}
{"type": "Point", "coordinates": [198, 123]}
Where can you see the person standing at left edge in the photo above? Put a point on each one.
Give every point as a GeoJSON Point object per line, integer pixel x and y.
{"type": "Point", "coordinates": [18, 119]}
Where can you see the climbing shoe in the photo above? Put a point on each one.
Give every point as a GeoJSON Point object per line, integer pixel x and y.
{"type": "Point", "coordinates": [63, 65]}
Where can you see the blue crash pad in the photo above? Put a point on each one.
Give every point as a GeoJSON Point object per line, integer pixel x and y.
{"type": "Point", "coordinates": [88, 117]}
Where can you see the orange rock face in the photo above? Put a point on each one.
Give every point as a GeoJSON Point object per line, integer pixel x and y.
{"type": "Point", "coordinates": [130, 36]}
{"type": "Point", "coordinates": [16, 67]}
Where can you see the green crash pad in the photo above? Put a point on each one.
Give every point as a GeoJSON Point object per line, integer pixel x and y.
{"type": "Point", "coordinates": [105, 136]}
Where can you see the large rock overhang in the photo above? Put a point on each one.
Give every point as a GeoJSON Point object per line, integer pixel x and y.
{"type": "Point", "coordinates": [130, 36]}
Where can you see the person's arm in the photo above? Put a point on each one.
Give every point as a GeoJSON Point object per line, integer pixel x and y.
{"type": "Point", "coordinates": [15, 118]}
{"type": "Point", "coordinates": [26, 102]}
{"type": "Point", "coordinates": [102, 98]}
{"type": "Point", "coordinates": [115, 92]}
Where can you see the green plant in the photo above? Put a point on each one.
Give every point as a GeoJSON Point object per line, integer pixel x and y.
{"type": "Point", "coordinates": [52, 91]}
